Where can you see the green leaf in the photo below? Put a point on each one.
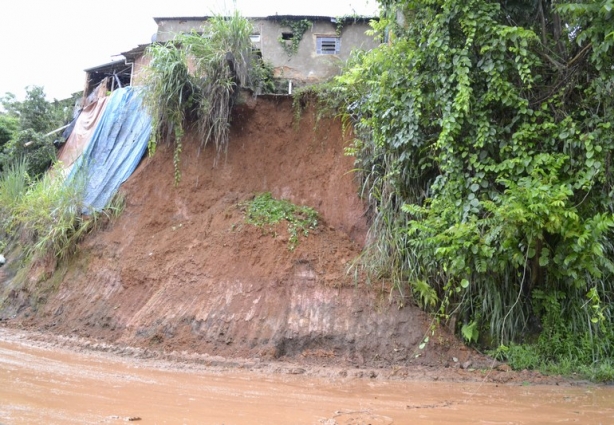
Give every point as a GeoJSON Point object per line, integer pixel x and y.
{"type": "Point", "coordinates": [470, 332]}
{"type": "Point", "coordinates": [424, 342]}
{"type": "Point", "coordinates": [544, 258]}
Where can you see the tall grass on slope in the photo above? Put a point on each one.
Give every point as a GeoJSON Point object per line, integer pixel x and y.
{"type": "Point", "coordinates": [51, 214]}
{"type": "Point", "coordinates": [46, 214]}
{"type": "Point", "coordinates": [13, 184]}
{"type": "Point", "coordinates": [170, 95]}
{"type": "Point", "coordinates": [194, 79]}
{"type": "Point", "coordinates": [223, 55]}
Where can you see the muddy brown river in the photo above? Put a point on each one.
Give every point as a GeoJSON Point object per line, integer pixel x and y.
{"type": "Point", "coordinates": [52, 385]}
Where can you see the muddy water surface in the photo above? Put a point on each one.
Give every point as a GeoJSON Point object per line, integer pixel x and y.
{"type": "Point", "coordinates": [41, 385]}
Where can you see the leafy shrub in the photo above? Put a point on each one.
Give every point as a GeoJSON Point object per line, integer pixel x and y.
{"type": "Point", "coordinates": [8, 127]}
{"type": "Point", "coordinates": [37, 148]}
{"type": "Point", "coordinates": [261, 77]}
{"type": "Point", "coordinates": [485, 161]}
{"type": "Point", "coordinates": [23, 124]}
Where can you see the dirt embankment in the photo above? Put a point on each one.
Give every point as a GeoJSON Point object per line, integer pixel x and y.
{"type": "Point", "coordinates": [180, 270]}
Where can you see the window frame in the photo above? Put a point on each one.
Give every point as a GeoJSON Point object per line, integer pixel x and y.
{"type": "Point", "coordinates": [328, 39]}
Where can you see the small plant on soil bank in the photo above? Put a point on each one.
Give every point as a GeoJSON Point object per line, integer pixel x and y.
{"type": "Point", "coordinates": [265, 211]}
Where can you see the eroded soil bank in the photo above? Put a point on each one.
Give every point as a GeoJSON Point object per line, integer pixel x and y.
{"type": "Point", "coordinates": [43, 383]}
{"type": "Point", "coordinates": [180, 270]}
{"type": "Point", "coordinates": [180, 312]}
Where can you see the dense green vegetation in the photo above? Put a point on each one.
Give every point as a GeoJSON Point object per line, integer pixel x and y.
{"type": "Point", "coordinates": [37, 209]}
{"type": "Point", "coordinates": [45, 214]}
{"type": "Point", "coordinates": [24, 125]}
{"type": "Point", "coordinates": [195, 80]}
{"type": "Point", "coordinates": [484, 144]}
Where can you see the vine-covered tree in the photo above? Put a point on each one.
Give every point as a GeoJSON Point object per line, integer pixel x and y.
{"type": "Point", "coordinates": [485, 146]}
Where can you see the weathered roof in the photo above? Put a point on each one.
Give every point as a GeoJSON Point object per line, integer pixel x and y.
{"type": "Point", "coordinates": [107, 66]}
{"type": "Point", "coordinates": [131, 54]}
{"type": "Point", "coordinates": [319, 18]}
{"type": "Point", "coordinates": [273, 18]}
{"type": "Point", "coordinates": [181, 18]}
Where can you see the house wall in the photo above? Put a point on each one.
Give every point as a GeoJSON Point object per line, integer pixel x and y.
{"type": "Point", "coordinates": [304, 67]}
{"type": "Point", "coordinates": [168, 28]}
{"type": "Point", "coordinates": [138, 70]}
{"type": "Point", "coordinates": [307, 66]}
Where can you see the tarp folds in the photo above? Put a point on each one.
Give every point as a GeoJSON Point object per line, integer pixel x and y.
{"type": "Point", "coordinates": [80, 135]}
{"type": "Point", "coordinates": [71, 126]}
{"type": "Point", "coordinates": [115, 148]}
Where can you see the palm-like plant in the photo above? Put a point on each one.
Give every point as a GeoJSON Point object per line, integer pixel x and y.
{"type": "Point", "coordinates": [220, 58]}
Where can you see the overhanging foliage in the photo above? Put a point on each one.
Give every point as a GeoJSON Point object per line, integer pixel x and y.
{"type": "Point", "coordinates": [195, 80]}
{"type": "Point", "coordinates": [485, 147]}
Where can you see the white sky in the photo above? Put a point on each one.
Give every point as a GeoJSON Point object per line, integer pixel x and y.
{"type": "Point", "coordinates": [50, 42]}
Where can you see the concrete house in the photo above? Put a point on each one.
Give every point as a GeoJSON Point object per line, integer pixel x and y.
{"type": "Point", "coordinates": [321, 49]}
{"type": "Point", "coordinates": [301, 58]}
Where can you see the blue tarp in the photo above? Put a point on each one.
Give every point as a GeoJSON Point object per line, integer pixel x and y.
{"type": "Point", "coordinates": [115, 149]}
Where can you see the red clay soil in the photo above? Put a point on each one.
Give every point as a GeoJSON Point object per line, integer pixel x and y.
{"type": "Point", "coordinates": [181, 271]}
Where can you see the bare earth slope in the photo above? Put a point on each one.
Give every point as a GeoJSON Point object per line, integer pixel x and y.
{"type": "Point", "coordinates": [179, 270]}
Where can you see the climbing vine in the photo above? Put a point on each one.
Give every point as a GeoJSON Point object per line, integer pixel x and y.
{"type": "Point", "coordinates": [298, 28]}
{"type": "Point", "coordinates": [484, 144]}
{"type": "Point", "coordinates": [341, 21]}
